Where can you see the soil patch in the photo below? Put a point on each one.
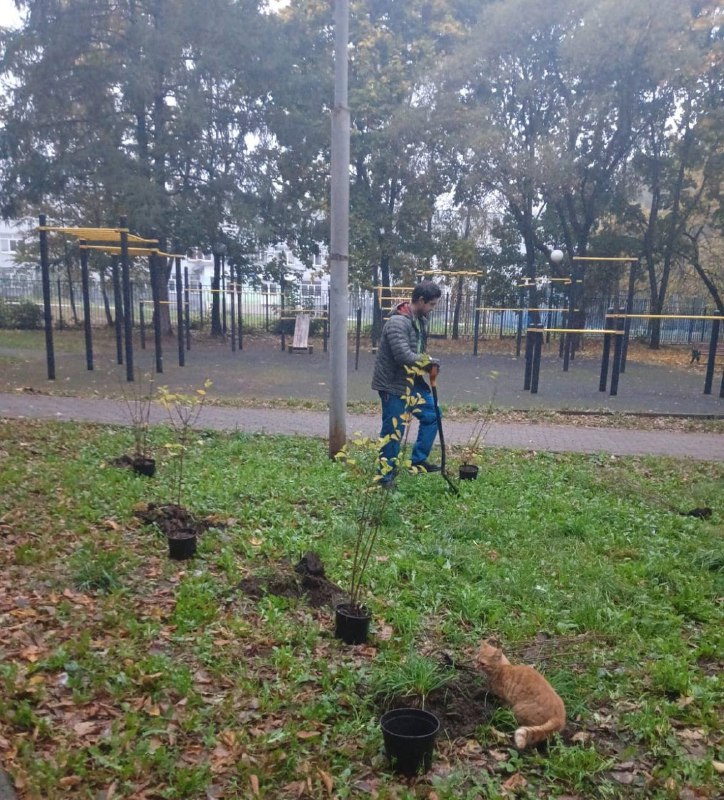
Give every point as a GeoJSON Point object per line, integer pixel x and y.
{"type": "Point", "coordinates": [306, 580]}
{"type": "Point", "coordinates": [173, 520]}
{"type": "Point", "coordinates": [462, 705]}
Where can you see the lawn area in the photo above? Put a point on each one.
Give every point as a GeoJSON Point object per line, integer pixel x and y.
{"type": "Point", "coordinates": [124, 674]}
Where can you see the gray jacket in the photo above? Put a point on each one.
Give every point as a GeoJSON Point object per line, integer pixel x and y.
{"type": "Point", "coordinates": [404, 338]}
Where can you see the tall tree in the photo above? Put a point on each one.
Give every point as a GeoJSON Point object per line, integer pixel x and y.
{"type": "Point", "coordinates": [151, 105]}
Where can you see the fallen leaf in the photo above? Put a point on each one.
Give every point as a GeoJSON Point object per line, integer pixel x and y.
{"type": "Point", "coordinates": [625, 778]}
{"type": "Point", "coordinates": [307, 734]}
{"type": "Point", "coordinates": [85, 728]}
{"type": "Point", "coordinates": [515, 782]}
{"type": "Point", "coordinates": [70, 780]}
{"type": "Point", "coordinates": [326, 780]}
{"type": "Point", "coordinates": [581, 736]}
{"type": "Point", "coordinates": [718, 767]}
{"type": "Point", "coordinates": [254, 781]}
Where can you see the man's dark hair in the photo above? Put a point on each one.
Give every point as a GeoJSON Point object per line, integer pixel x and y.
{"type": "Point", "coordinates": [427, 290]}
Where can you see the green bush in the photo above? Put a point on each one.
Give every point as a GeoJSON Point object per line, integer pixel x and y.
{"type": "Point", "coordinates": [24, 316]}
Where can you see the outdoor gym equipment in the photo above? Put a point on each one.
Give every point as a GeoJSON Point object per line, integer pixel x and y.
{"type": "Point", "coordinates": [434, 369]}
{"type": "Point", "coordinates": [713, 340]}
{"type": "Point", "coordinates": [122, 237]}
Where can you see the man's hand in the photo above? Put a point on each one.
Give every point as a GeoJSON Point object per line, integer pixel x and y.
{"type": "Point", "coordinates": [433, 362]}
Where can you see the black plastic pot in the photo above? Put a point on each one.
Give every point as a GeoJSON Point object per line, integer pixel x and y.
{"type": "Point", "coordinates": [144, 466]}
{"type": "Point", "coordinates": [468, 472]}
{"type": "Point", "coordinates": [351, 624]}
{"type": "Point", "coordinates": [409, 736]}
{"type": "Point", "coordinates": [182, 547]}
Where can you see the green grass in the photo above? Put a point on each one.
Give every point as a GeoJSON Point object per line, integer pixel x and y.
{"type": "Point", "coordinates": [120, 668]}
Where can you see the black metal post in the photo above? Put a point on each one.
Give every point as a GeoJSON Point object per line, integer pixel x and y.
{"type": "Point", "coordinates": [201, 305]}
{"type": "Point", "coordinates": [358, 332]}
{"type": "Point", "coordinates": [605, 357]}
{"type": "Point", "coordinates": [222, 259]}
{"type": "Point", "coordinates": [537, 350]}
{"type": "Point", "coordinates": [528, 360]}
{"type": "Point", "coordinates": [85, 289]}
{"type": "Point", "coordinates": [712, 356]}
{"type": "Point", "coordinates": [126, 279]}
{"type": "Point", "coordinates": [156, 313]}
{"type": "Point", "coordinates": [187, 308]}
{"type": "Point", "coordinates": [629, 311]}
{"type": "Point", "coordinates": [617, 348]}
{"type": "Point", "coordinates": [519, 334]}
{"type": "Point", "coordinates": [232, 290]}
{"type": "Point", "coordinates": [47, 312]}
{"type": "Point", "coordinates": [118, 304]}
{"type": "Point", "coordinates": [179, 312]}
{"type": "Point", "coordinates": [240, 309]}
{"type": "Point", "coordinates": [281, 313]}
{"type": "Point", "coordinates": [476, 324]}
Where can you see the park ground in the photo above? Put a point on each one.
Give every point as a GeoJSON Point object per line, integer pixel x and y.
{"type": "Point", "coordinates": [662, 382]}
{"type": "Point", "coordinates": [127, 676]}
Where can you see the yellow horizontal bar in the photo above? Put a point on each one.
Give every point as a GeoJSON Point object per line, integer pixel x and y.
{"type": "Point", "coordinates": [115, 250]}
{"type": "Point", "coordinates": [604, 258]}
{"type": "Point", "coordinates": [99, 234]}
{"type": "Point", "coordinates": [575, 330]}
{"type": "Point", "coordinates": [665, 316]}
{"type": "Point", "coordinates": [446, 274]}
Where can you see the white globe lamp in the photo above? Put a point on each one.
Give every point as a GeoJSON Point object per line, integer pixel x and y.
{"type": "Point", "coordinates": [556, 256]}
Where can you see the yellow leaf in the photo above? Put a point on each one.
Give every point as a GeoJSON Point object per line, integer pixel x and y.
{"type": "Point", "coordinates": [254, 781]}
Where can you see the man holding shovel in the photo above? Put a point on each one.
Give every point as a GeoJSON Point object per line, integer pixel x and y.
{"type": "Point", "coordinates": [403, 342]}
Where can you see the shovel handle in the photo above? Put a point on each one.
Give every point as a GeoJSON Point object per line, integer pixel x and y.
{"type": "Point", "coordinates": [434, 369]}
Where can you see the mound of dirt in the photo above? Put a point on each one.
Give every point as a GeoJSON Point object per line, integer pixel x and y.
{"type": "Point", "coordinates": [306, 580]}
{"type": "Point", "coordinates": [175, 521]}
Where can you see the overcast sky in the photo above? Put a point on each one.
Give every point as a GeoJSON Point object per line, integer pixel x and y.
{"type": "Point", "coordinates": [8, 13]}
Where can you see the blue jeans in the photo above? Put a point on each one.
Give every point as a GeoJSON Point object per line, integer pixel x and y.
{"type": "Point", "coordinates": [393, 407]}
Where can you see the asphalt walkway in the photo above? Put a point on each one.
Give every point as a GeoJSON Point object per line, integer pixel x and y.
{"type": "Point", "coordinates": [521, 436]}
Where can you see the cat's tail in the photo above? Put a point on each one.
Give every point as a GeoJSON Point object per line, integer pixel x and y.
{"type": "Point", "coordinates": [530, 735]}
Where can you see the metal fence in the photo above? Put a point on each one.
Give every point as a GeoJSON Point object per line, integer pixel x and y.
{"type": "Point", "coordinates": [262, 310]}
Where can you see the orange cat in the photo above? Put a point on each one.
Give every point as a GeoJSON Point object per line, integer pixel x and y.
{"type": "Point", "coordinates": [538, 709]}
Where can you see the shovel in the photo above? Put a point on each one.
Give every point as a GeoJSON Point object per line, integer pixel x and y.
{"type": "Point", "coordinates": [434, 369]}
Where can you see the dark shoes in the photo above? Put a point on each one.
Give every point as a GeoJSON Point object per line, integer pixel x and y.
{"type": "Point", "coordinates": [426, 466]}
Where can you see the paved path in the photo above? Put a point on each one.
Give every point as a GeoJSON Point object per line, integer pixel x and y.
{"type": "Point", "coordinates": [554, 438]}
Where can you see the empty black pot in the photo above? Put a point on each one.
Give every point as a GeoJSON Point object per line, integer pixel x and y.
{"type": "Point", "coordinates": [409, 736]}
{"type": "Point", "coordinates": [351, 623]}
{"type": "Point", "coordinates": [468, 472]}
{"type": "Point", "coordinates": [182, 547]}
{"type": "Point", "coordinates": [144, 466]}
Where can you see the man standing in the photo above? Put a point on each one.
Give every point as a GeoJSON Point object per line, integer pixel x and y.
{"type": "Point", "coordinates": [403, 342]}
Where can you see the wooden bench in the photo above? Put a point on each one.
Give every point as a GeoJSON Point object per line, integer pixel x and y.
{"type": "Point", "coordinates": [300, 343]}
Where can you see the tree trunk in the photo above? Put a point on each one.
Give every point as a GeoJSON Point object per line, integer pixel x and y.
{"type": "Point", "coordinates": [458, 307]}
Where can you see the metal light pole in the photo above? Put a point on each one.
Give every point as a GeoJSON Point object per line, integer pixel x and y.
{"type": "Point", "coordinates": [339, 238]}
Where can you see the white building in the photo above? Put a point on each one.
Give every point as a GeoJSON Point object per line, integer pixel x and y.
{"type": "Point", "coordinates": [12, 234]}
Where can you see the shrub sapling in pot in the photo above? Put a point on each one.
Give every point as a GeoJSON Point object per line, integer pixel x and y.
{"type": "Point", "coordinates": [469, 469]}
{"type": "Point", "coordinates": [137, 402]}
{"type": "Point", "coordinates": [369, 469]}
{"type": "Point", "coordinates": [183, 413]}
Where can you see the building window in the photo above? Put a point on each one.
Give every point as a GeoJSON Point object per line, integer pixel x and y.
{"type": "Point", "coordinates": [9, 245]}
